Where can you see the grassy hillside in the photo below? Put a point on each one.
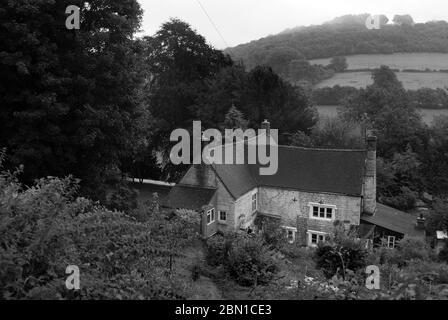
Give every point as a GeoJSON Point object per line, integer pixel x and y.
{"type": "Point", "coordinates": [410, 80]}
{"type": "Point", "coordinates": [401, 61]}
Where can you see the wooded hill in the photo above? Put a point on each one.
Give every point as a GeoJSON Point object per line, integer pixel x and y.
{"type": "Point", "coordinates": [343, 36]}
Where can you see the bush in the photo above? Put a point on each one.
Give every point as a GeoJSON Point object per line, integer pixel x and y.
{"type": "Point", "coordinates": [343, 252]}
{"type": "Point", "coordinates": [443, 254]}
{"type": "Point", "coordinates": [273, 235]}
{"type": "Point", "coordinates": [45, 228]}
{"type": "Point", "coordinates": [215, 254]}
{"type": "Point", "coordinates": [123, 198]}
{"type": "Point", "coordinates": [408, 249]}
{"type": "Point", "coordinates": [404, 200]}
{"type": "Point", "coordinates": [250, 262]}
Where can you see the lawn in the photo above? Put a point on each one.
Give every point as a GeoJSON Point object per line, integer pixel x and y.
{"type": "Point", "coordinates": [410, 80]}
{"type": "Point", "coordinates": [401, 61]}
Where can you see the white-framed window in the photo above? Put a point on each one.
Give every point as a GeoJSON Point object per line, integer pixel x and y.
{"type": "Point", "coordinates": [315, 237]}
{"type": "Point", "coordinates": [210, 216]}
{"type": "Point", "coordinates": [322, 211]}
{"type": "Point", "coordinates": [391, 242]}
{"type": "Point", "coordinates": [290, 233]}
{"type": "Point", "coordinates": [222, 216]}
{"type": "Point", "coordinates": [254, 202]}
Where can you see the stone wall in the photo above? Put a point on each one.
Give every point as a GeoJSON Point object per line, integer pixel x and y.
{"type": "Point", "coordinates": [243, 210]}
{"type": "Point", "coordinates": [293, 208]}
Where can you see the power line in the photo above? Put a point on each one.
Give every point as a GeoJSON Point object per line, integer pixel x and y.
{"type": "Point", "coordinates": [213, 24]}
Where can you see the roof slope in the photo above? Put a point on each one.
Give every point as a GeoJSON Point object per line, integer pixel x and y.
{"type": "Point", "coordinates": [189, 197]}
{"type": "Point", "coordinates": [394, 220]}
{"type": "Point", "coordinates": [318, 170]}
{"type": "Point", "coordinates": [313, 170]}
{"type": "Point", "coordinates": [237, 178]}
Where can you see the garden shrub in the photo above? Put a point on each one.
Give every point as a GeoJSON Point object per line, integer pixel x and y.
{"type": "Point", "coordinates": [123, 198]}
{"type": "Point", "coordinates": [272, 232]}
{"type": "Point", "coordinates": [343, 252]}
{"type": "Point", "coordinates": [45, 228]}
{"type": "Point", "coordinates": [407, 249]}
{"type": "Point", "coordinates": [215, 250]}
{"type": "Point", "coordinates": [250, 262]}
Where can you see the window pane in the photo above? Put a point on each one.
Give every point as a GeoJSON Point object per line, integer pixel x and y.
{"type": "Point", "coordinates": [313, 238]}
{"type": "Point", "coordinates": [321, 238]}
{"type": "Point", "coordinates": [223, 215]}
{"type": "Point", "coordinates": [208, 217]}
{"type": "Point", "coordinates": [322, 212]}
{"type": "Point", "coordinates": [329, 213]}
{"type": "Point", "coordinates": [315, 211]}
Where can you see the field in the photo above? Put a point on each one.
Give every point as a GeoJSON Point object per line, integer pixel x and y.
{"type": "Point", "coordinates": [410, 80]}
{"type": "Point", "coordinates": [428, 115]}
{"type": "Point", "coordinates": [401, 61]}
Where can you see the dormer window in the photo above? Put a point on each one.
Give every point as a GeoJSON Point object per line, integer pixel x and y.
{"type": "Point", "coordinates": [322, 211]}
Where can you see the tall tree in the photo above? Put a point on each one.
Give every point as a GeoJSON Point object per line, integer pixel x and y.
{"type": "Point", "coordinates": [268, 96]}
{"type": "Point", "coordinates": [178, 65]}
{"type": "Point", "coordinates": [67, 95]}
{"type": "Point", "coordinates": [385, 107]}
{"type": "Point", "coordinates": [178, 62]}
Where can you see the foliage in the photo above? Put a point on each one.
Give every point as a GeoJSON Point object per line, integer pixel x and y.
{"type": "Point", "coordinates": [123, 198]}
{"type": "Point", "coordinates": [341, 253]}
{"type": "Point", "coordinates": [443, 254]}
{"type": "Point", "coordinates": [409, 249]}
{"type": "Point", "coordinates": [68, 96]}
{"type": "Point", "coordinates": [435, 166]}
{"type": "Point", "coordinates": [45, 228]}
{"type": "Point", "coordinates": [384, 107]}
{"type": "Point", "coordinates": [399, 180]}
{"type": "Point", "coordinates": [272, 233]}
{"type": "Point", "coordinates": [343, 36]}
{"type": "Point", "coordinates": [246, 258]}
{"type": "Point", "coordinates": [178, 63]}
{"type": "Point", "coordinates": [331, 133]}
{"type": "Point", "coordinates": [216, 250]}
{"type": "Point", "coordinates": [404, 19]}
{"type": "Point", "coordinates": [338, 64]}
{"type": "Point", "coordinates": [250, 262]}
{"type": "Point", "coordinates": [234, 119]}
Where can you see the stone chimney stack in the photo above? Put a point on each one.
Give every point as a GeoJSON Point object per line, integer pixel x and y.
{"type": "Point", "coordinates": [421, 222]}
{"type": "Point", "coordinates": [369, 199]}
{"type": "Point", "coordinates": [267, 126]}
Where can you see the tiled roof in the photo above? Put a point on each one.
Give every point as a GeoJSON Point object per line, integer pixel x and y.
{"type": "Point", "coordinates": [237, 178]}
{"type": "Point", "coordinates": [313, 170]}
{"type": "Point", "coordinates": [394, 220]}
{"type": "Point", "coordinates": [189, 197]}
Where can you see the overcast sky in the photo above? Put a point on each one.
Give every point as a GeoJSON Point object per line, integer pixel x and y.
{"type": "Point", "coordinates": [240, 21]}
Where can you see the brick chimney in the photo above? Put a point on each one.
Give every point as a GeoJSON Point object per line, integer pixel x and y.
{"type": "Point", "coordinates": [421, 221]}
{"type": "Point", "coordinates": [369, 199]}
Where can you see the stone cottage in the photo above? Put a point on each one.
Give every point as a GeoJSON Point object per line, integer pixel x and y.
{"type": "Point", "coordinates": [311, 191]}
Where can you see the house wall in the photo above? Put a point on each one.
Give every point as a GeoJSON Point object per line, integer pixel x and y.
{"type": "Point", "coordinates": [243, 216]}
{"type": "Point", "coordinates": [296, 213]}
{"type": "Point", "coordinates": [225, 202]}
